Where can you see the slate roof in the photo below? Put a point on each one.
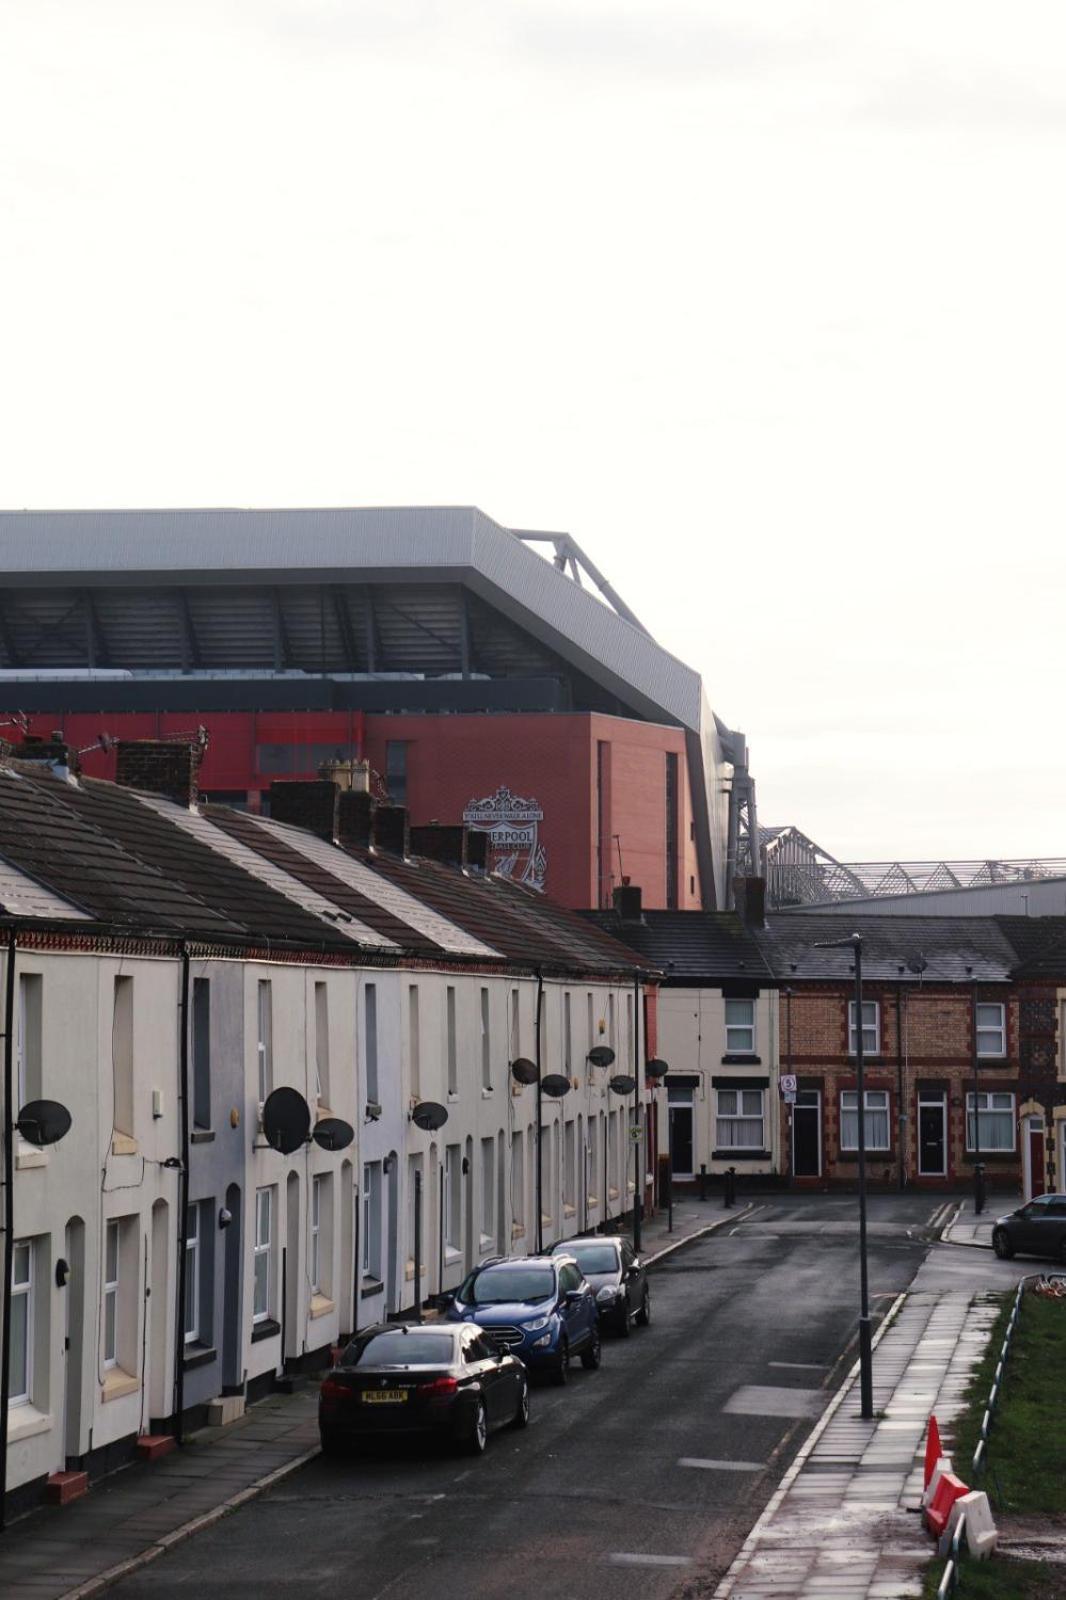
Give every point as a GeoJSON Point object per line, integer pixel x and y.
{"type": "Point", "coordinates": [1039, 945]}
{"type": "Point", "coordinates": [689, 946]}
{"type": "Point", "coordinates": [953, 949]}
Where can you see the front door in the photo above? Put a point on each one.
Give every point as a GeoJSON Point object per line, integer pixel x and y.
{"type": "Point", "coordinates": [1036, 1181]}
{"type": "Point", "coordinates": [932, 1140]}
{"type": "Point", "coordinates": [681, 1132]}
{"type": "Point", "coordinates": [807, 1134]}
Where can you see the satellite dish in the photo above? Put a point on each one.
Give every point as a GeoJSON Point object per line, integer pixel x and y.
{"type": "Point", "coordinates": [429, 1115]}
{"type": "Point", "coordinates": [523, 1070]}
{"type": "Point", "coordinates": [622, 1083]}
{"type": "Point", "coordinates": [656, 1068]}
{"type": "Point", "coordinates": [555, 1085]}
{"type": "Point", "coordinates": [332, 1133]}
{"type": "Point", "coordinates": [43, 1122]}
{"type": "Point", "coordinates": [917, 964]}
{"type": "Point", "coordinates": [286, 1120]}
{"type": "Point", "coordinates": [601, 1055]}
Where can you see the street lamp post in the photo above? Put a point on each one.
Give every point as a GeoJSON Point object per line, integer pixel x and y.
{"type": "Point", "coordinates": [866, 1385]}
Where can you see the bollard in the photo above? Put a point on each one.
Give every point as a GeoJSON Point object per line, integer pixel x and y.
{"type": "Point", "coordinates": [978, 1187]}
{"type": "Point", "coordinates": [703, 1181]}
{"type": "Point", "coordinates": [730, 1182]}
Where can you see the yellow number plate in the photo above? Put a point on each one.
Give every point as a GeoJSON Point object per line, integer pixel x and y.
{"type": "Point", "coordinates": [385, 1397]}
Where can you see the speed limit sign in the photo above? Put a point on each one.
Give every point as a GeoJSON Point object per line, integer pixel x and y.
{"type": "Point", "coordinates": [787, 1083]}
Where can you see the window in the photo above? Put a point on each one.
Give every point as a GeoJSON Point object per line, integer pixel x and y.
{"type": "Point", "coordinates": [21, 1361]}
{"type": "Point", "coordinates": [265, 1037]}
{"type": "Point", "coordinates": [201, 1052]}
{"type": "Point", "coordinates": [740, 1119]}
{"type": "Point", "coordinates": [516, 1032]}
{"type": "Point", "coordinates": [262, 1287]}
{"type": "Point", "coordinates": [570, 1167]}
{"type": "Point", "coordinates": [316, 1235]}
{"type": "Point", "coordinates": [414, 1039]}
{"type": "Point", "coordinates": [671, 830]}
{"type": "Point", "coordinates": [122, 1055]}
{"type": "Point", "coordinates": [486, 1042]}
{"type": "Point", "coordinates": [396, 770]}
{"type": "Point", "coordinates": [322, 1044]}
{"type": "Point", "coordinates": [740, 1027]}
{"type": "Point", "coordinates": [370, 1026]}
{"type": "Point", "coordinates": [876, 1121]}
{"type": "Point", "coordinates": [372, 1220]}
{"type": "Point", "coordinates": [488, 1191]}
{"type": "Point", "coordinates": [453, 1059]}
{"type": "Point", "coordinates": [871, 1028]}
{"type": "Point", "coordinates": [631, 1058]}
{"type": "Point", "coordinates": [995, 1129]}
{"type": "Point", "coordinates": [568, 1036]}
{"type": "Point", "coordinates": [192, 1274]}
{"type": "Point", "coordinates": [518, 1179]}
{"type": "Point", "coordinates": [610, 1021]}
{"type": "Point", "coordinates": [453, 1198]}
{"type": "Point", "coordinates": [111, 1273]}
{"type": "Point", "coordinates": [28, 1041]}
{"type": "Point", "coordinates": [991, 1030]}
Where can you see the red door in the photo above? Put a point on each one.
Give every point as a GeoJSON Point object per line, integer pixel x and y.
{"type": "Point", "coordinates": [1036, 1158]}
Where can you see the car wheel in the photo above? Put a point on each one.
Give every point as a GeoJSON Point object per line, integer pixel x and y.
{"type": "Point", "coordinates": [521, 1416]}
{"type": "Point", "coordinates": [1001, 1245]}
{"type": "Point", "coordinates": [644, 1314]}
{"type": "Point", "coordinates": [590, 1356]}
{"type": "Point", "coordinates": [332, 1447]}
{"type": "Point", "coordinates": [561, 1371]}
{"type": "Point", "coordinates": [477, 1436]}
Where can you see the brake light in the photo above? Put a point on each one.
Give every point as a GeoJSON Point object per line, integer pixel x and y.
{"type": "Point", "coordinates": [332, 1390]}
{"type": "Point", "coordinates": [437, 1387]}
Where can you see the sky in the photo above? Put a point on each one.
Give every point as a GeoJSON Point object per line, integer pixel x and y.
{"type": "Point", "coordinates": [763, 303]}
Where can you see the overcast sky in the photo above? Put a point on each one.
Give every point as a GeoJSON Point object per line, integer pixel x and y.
{"type": "Point", "coordinates": [763, 302]}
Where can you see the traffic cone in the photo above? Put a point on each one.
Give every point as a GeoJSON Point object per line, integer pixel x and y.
{"type": "Point", "coordinates": [933, 1451]}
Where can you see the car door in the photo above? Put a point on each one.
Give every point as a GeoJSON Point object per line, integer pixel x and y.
{"type": "Point", "coordinates": [574, 1311]}
{"type": "Point", "coordinates": [633, 1279]}
{"type": "Point", "coordinates": [482, 1362]}
{"type": "Point", "coordinates": [1028, 1229]}
{"type": "Point", "coordinates": [1043, 1227]}
{"type": "Point", "coordinates": [1057, 1225]}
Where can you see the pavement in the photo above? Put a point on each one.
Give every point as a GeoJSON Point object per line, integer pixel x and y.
{"type": "Point", "coordinates": [966, 1228]}
{"type": "Point", "coordinates": [132, 1517]}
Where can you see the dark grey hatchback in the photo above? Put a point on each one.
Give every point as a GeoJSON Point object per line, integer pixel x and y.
{"type": "Point", "coordinates": [1035, 1229]}
{"type": "Point", "coordinates": [443, 1380]}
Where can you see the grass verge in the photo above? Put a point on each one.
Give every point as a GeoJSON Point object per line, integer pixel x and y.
{"type": "Point", "coordinates": [1003, 1579]}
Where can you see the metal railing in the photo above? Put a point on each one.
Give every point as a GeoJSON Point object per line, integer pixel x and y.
{"type": "Point", "coordinates": [949, 1581]}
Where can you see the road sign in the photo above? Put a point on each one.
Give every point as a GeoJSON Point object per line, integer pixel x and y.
{"type": "Point", "coordinates": [787, 1083]}
{"type": "Point", "coordinates": [789, 1097]}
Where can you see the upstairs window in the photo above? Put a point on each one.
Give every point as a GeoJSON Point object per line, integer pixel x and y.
{"type": "Point", "coordinates": [265, 1038]}
{"type": "Point", "coordinates": [28, 1039]}
{"type": "Point", "coordinates": [991, 1030]}
{"type": "Point", "coordinates": [740, 1027]}
{"type": "Point", "coordinates": [201, 1052]}
{"type": "Point", "coordinates": [871, 1028]}
{"type": "Point", "coordinates": [322, 1044]}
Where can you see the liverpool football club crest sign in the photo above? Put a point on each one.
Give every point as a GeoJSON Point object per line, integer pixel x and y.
{"type": "Point", "coordinates": [514, 846]}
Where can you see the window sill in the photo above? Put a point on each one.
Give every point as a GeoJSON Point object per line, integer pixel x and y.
{"type": "Point", "coordinates": [370, 1287]}
{"type": "Point", "coordinates": [569, 1210]}
{"type": "Point", "coordinates": [486, 1094]}
{"type": "Point", "coordinates": [198, 1355]}
{"type": "Point", "coordinates": [123, 1145]}
{"type": "Point", "coordinates": [321, 1306]}
{"type": "Point", "coordinates": [117, 1384]}
{"type": "Point", "coordinates": [518, 1230]}
{"type": "Point", "coordinates": [871, 1155]}
{"type": "Point", "coordinates": [322, 1111]}
{"type": "Point", "coordinates": [409, 1272]}
{"type": "Point", "coordinates": [24, 1421]}
{"type": "Point", "coordinates": [453, 1097]}
{"type": "Point", "coordinates": [485, 1245]}
{"type": "Point", "coordinates": [995, 1156]}
{"type": "Point", "coordinates": [266, 1329]}
{"type": "Point", "coordinates": [451, 1255]}
{"type": "Point", "coordinates": [740, 1155]}
{"type": "Point", "coordinates": [612, 1193]}
{"type": "Point", "coordinates": [202, 1136]}
{"type": "Point", "coordinates": [27, 1156]}
{"type": "Point", "coordinates": [593, 1201]}
{"type": "Point", "coordinates": [741, 1058]}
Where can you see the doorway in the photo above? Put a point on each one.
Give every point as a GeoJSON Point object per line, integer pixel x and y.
{"type": "Point", "coordinates": [682, 1141]}
{"type": "Point", "coordinates": [232, 1325]}
{"type": "Point", "coordinates": [159, 1314]}
{"type": "Point", "coordinates": [807, 1134]}
{"type": "Point", "coordinates": [932, 1136]}
{"type": "Point", "coordinates": [1035, 1177]}
{"type": "Point", "coordinates": [74, 1251]}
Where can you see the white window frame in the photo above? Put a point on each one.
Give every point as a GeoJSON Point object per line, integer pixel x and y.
{"type": "Point", "coordinates": [192, 1273]}
{"type": "Point", "coordinates": [265, 1037]}
{"type": "Point", "coordinates": [868, 1028]}
{"type": "Point", "coordinates": [488, 1192]}
{"type": "Point", "coordinates": [881, 1104]}
{"type": "Point", "coordinates": [262, 1250]}
{"type": "Point", "coordinates": [28, 1045]}
{"type": "Point", "coordinates": [322, 1086]}
{"type": "Point", "coordinates": [731, 1120]}
{"type": "Point", "coordinates": [453, 1199]}
{"type": "Point", "coordinates": [998, 1031]}
{"type": "Point", "coordinates": [486, 1040]}
{"type": "Point", "coordinates": [112, 1230]}
{"type": "Point", "coordinates": [740, 1036]}
{"type": "Point", "coordinates": [315, 1253]}
{"type": "Point", "coordinates": [451, 1039]}
{"type": "Point", "coordinates": [986, 1109]}
{"type": "Point", "coordinates": [21, 1390]}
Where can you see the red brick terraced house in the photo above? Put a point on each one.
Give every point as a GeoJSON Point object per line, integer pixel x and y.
{"type": "Point", "coordinates": [1040, 982]}
{"type": "Point", "coordinates": [941, 1014]}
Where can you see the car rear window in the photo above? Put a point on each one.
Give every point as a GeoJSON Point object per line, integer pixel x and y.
{"type": "Point", "coordinates": [397, 1349]}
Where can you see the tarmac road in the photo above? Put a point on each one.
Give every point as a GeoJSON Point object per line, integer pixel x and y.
{"type": "Point", "coordinates": [596, 1498]}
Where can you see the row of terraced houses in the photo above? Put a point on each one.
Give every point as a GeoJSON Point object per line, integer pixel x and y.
{"type": "Point", "coordinates": [170, 965]}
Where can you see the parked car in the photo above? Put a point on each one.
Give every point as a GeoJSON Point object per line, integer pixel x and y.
{"type": "Point", "coordinates": [440, 1380]}
{"type": "Point", "coordinates": [1035, 1229]}
{"type": "Point", "coordinates": [538, 1307]}
{"type": "Point", "coordinates": [616, 1277]}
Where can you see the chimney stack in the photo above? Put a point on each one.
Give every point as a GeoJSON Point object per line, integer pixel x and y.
{"type": "Point", "coordinates": [749, 898]}
{"type": "Point", "coordinates": [390, 830]}
{"type": "Point", "coordinates": [627, 901]}
{"type": "Point", "coordinates": [54, 751]}
{"type": "Point", "coordinates": [161, 766]}
{"type": "Point", "coordinates": [306, 803]}
{"type": "Point", "coordinates": [439, 841]}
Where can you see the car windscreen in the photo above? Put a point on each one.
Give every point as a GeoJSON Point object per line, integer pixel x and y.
{"type": "Point", "coordinates": [398, 1349]}
{"type": "Point", "coordinates": [594, 1257]}
{"type": "Point", "coordinates": [500, 1284]}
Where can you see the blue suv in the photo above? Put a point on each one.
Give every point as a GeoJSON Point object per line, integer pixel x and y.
{"type": "Point", "coordinates": [540, 1308]}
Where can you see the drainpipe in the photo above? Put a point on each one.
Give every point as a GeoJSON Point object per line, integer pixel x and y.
{"type": "Point", "coordinates": [901, 1115]}
{"type": "Point", "coordinates": [183, 1200]}
{"type": "Point", "coordinates": [540, 1101]}
{"type": "Point", "coordinates": [638, 1153]}
{"type": "Point", "coordinates": [9, 1209]}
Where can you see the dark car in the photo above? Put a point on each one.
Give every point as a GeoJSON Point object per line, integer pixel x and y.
{"type": "Point", "coordinates": [1035, 1229]}
{"type": "Point", "coordinates": [616, 1277]}
{"type": "Point", "coordinates": [538, 1307]}
{"type": "Point", "coordinates": [440, 1380]}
